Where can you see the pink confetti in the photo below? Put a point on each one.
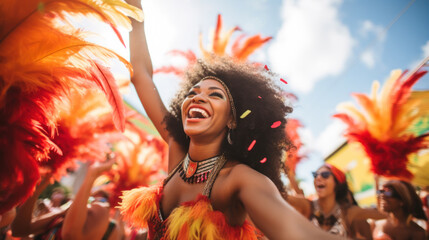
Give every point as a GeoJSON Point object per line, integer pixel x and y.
{"type": "Point", "coordinates": [276, 124]}
{"type": "Point", "coordinates": [251, 145]}
{"type": "Point", "coordinates": [259, 97]}
{"type": "Point", "coordinates": [281, 79]}
{"type": "Point", "coordinates": [263, 160]}
{"type": "Point", "coordinates": [266, 68]}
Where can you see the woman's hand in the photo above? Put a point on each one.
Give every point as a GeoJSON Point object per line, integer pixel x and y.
{"type": "Point", "coordinates": [97, 168]}
{"type": "Point", "coordinates": [135, 3]}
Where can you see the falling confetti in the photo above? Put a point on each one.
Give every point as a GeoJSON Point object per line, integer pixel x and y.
{"type": "Point", "coordinates": [251, 145]}
{"type": "Point", "coordinates": [276, 124]}
{"type": "Point", "coordinates": [266, 68]}
{"type": "Point", "coordinates": [263, 160]}
{"type": "Point", "coordinates": [259, 97]}
{"type": "Point", "coordinates": [247, 112]}
{"type": "Point", "coordinates": [281, 79]}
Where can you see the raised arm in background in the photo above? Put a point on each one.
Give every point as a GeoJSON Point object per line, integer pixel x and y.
{"type": "Point", "coordinates": [82, 222]}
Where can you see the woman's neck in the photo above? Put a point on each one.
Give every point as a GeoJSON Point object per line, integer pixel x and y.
{"type": "Point", "coordinates": [200, 151]}
{"type": "Point", "coordinates": [327, 204]}
{"type": "Point", "coordinates": [398, 216]}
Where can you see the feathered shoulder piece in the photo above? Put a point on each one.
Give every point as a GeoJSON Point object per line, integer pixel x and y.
{"type": "Point", "coordinates": [381, 125]}
{"type": "Point", "coordinates": [140, 205]}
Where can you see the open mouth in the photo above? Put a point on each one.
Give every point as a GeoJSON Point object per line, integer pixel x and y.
{"type": "Point", "coordinates": [197, 113]}
{"type": "Point", "coordinates": [320, 186]}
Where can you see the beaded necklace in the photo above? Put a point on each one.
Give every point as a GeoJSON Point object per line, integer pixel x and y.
{"type": "Point", "coordinates": [197, 172]}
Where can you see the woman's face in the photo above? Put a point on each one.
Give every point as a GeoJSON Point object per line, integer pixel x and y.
{"type": "Point", "coordinates": [324, 182]}
{"type": "Point", "coordinates": [206, 110]}
{"type": "Point", "coordinates": [389, 199]}
{"type": "Point", "coordinates": [57, 197]}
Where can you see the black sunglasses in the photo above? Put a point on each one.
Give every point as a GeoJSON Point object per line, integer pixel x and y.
{"type": "Point", "coordinates": [324, 174]}
{"type": "Point", "coordinates": [388, 193]}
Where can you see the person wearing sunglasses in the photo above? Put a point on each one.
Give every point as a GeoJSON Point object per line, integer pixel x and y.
{"type": "Point", "coordinates": [332, 211]}
{"type": "Point", "coordinates": [400, 200]}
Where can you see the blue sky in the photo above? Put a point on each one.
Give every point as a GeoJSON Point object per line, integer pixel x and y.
{"type": "Point", "coordinates": [325, 49]}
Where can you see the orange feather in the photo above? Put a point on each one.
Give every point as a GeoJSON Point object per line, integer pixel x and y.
{"type": "Point", "coordinates": [248, 47]}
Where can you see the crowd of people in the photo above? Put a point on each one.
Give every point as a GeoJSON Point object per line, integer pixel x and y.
{"type": "Point", "coordinates": [334, 210]}
{"type": "Point", "coordinates": [225, 179]}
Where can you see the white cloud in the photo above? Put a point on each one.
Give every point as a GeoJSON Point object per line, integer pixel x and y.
{"type": "Point", "coordinates": [330, 138]}
{"type": "Point", "coordinates": [368, 58]}
{"type": "Point", "coordinates": [169, 25]}
{"type": "Point", "coordinates": [369, 27]}
{"type": "Point", "coordinates": [367, 30]}
{"type": "Point", "coordinates": [311, 44]}
{"type": "Point", "coordinates": [307, 139]}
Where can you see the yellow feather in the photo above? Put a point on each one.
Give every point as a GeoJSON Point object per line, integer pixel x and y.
{"type": "Point", "coordinates": [223, 41]}
{"type": "Point", "coordinates": [139, 205]}
{"type": "Point", "coordinates": [349, 108]}
{"type": "Point", "coordinates": [374, 90]}
{"type": "Point", "coordinates": [385, 101]}
{"type": "Point", "coordinates": [177, 219]}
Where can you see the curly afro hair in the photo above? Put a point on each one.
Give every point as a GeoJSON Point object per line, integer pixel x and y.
{"type": "Point", "coordinates": [252, 88]}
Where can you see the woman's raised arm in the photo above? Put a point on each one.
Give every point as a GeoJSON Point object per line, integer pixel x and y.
{"type": "Point", "coordinates": [142, 77]}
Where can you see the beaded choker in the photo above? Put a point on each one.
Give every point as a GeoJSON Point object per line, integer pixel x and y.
{"type": "Point", "coordinates": [197, 172]}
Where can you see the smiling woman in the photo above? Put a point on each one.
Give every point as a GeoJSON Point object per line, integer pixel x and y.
{"type": "Point", "coordinates": [223, 170]}
{"type": "Point", "coordinates": [335, 210]}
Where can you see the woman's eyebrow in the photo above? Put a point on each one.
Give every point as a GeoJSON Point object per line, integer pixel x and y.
{"type": "Point", "coordinates": [216, 88]}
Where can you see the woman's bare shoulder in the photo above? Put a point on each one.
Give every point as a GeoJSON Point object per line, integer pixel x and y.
{"type": "Point", "coordinates": [237, 176]}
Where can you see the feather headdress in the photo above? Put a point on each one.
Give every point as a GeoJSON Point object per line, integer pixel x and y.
{"type": "Point", "coordinates": [42, 57]}
{"type": "Point", "coordinates": [381, 126]}
{"type": "Point", "coordinates": [241, 49]}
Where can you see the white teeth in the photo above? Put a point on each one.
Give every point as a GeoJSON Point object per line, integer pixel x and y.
{"type": "Point", "coordinates": [199, 110]}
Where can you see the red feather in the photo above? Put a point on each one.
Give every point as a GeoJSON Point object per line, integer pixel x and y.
{"type": "Point", "coordinates": [402, 90]}
{"type": "Point", "coordinates": [293, 155]}
{"type": "Point", "coordinates": [190, 57]}
{"type": "Point", "coordinates": [106, 82]}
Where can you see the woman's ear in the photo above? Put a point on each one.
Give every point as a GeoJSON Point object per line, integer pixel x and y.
{"type": "Point", "coordinates": [232, 124]}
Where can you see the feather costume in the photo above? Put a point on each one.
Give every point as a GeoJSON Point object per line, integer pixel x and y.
{"type": "Point", "coordinates": [241, 49]}
{"type": "Point", "coordinates": [381, 126]}
{"type": "Point", "coordinates": [192, 220]}
{"type": "Point", "coordinates": [37, 72]}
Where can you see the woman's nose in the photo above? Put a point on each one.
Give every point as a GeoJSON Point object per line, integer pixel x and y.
{"type": "Point", "coordinates": [199, 98]}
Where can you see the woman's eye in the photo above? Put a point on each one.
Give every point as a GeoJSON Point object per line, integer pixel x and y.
{"type": "Point", "coordinates": [190, 94]}
{"type": "Point", "coordinates": [216, 94]}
